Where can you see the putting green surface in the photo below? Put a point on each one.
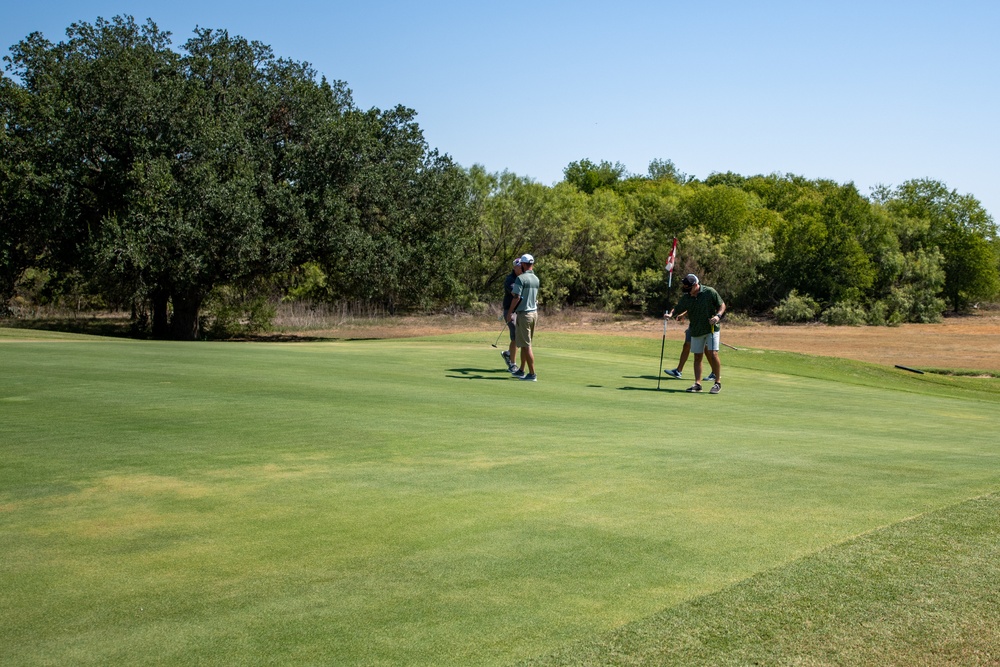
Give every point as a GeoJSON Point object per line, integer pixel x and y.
{"type": "Point", "coordinates": [407, 502]}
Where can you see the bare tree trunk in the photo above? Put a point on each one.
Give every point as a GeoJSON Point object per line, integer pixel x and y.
{"type": "Point", "coordinates": [184, 324]}
{"type": "Point", "coordinates": [160, 325]}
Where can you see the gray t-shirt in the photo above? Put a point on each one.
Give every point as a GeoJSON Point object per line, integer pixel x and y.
{"type": "Point", "coordinates": [526, 287]}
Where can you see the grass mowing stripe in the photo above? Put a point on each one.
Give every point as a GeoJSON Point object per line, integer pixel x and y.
{"type": "Point", "coordinates": [919, 592]}
{"type": "Point", "coordinates": [391, 502]}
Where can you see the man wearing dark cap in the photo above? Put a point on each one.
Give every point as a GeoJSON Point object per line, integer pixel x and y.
{"type": "Point", "coordinates": [525, 304]}
{"type": "Point", "coordinates": [704, 308]}
{"type": "Point", "coordinates": [510, 354]}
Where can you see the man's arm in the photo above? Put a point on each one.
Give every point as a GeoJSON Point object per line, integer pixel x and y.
{"type": "Point", "coordinates": [513, 306]}
{"type": "Point", "coordinates": [718, 313]}
{"type": "Point", "coordinates": [515, 291]}
{"type": "Point", "coordinates": [681, 303]}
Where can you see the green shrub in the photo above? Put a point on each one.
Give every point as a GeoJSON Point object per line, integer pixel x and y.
{"type": "Point", "coordinates": [308, 282]}
{"type": "Point", "coordinates": [737, 319]}
{"type": "Point", "coordinates": [231, 313]}
{"type": "Point", "coordinates": [878, 314]}
{"type": "Point", "coordinates": [558, 277]}
{"type": "Point", "coordinates": [796, 308]}
{"type": "Point", "coordinates": [844, 314]}
{"type": "Point", "coordinates": [646, 287]}
{"type": "Point", "coordinates": [611, 299]}
{"type": "Point", "coordinates": [912, 304]}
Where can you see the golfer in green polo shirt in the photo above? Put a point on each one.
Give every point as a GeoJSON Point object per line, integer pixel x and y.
{"type": "Point", "coordinates": [704, 308]}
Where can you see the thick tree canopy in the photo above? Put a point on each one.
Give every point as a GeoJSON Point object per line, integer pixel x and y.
{"type": "Point", "coordinates": [154, 176]}
{"type": "Point", "coordinates": [960, 228]}
{"type": "Point", "coordinates": [164, 180]}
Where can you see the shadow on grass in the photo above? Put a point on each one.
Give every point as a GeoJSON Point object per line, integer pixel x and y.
{"type": "Point", "coordinates": [652, 379]}
{"type": "Point", "coordinates": [284, 338]}
{"type": "Point", "coordinates": [478, 374]}
{"type": "Point", "coordinates": [124, 327]}
{"type": "Point", "coordinates": [654, 390]}
{"type": "Point", "coordinates": [94, 326]}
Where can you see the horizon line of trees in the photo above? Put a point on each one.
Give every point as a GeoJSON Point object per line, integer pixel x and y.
{"type": "Point", "coordinates": [779, 243]}
{"type": "Point", "coordinates": [207, 183]}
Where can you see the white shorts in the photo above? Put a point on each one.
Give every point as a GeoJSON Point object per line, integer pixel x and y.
{"type": "Point", "coordinates": [708, 342]}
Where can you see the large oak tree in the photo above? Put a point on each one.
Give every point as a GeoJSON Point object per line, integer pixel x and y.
{"type": "Point", "coordinates": [156, 176]}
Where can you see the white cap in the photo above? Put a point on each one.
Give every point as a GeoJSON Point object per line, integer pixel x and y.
{"type": "Point", "coordinates": [527, 259]}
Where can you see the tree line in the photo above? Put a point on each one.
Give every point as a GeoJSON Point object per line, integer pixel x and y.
{"type": "Point", "coordinates": [187, 184]}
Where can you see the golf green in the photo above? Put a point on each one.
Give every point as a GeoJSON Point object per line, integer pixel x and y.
{"type": "Point", "coordinates": [393, 502]}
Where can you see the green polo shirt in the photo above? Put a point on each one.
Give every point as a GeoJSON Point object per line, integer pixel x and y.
{"type": "Point", "coordinates": [526, 287]}
{"type": "Point", "coordinates": [700, 309]}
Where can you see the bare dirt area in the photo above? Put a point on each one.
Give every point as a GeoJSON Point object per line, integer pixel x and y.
{"type": "Point", "coordinates": [967, 342]}
{"type": "Point", "coordinates": [971, 342]}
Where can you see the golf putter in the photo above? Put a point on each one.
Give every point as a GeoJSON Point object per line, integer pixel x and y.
{"type": "Point", "coordinates": [499, 334]}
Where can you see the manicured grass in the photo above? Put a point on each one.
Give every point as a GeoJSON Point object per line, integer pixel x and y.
{"type": "Point", "coordinates": [406, 502]}
{"type": "Point", "coordinates": [920, 592]}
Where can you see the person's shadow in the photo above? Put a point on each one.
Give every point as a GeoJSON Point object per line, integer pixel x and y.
{"type": "Point", "coordinates": [478, 374]}
{"type": "Point", "coordinates": [500, 374]}
{"type": "Point", "coordinates": [651, 378]}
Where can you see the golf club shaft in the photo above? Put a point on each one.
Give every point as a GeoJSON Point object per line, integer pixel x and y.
{"type": "Point", "coordinates": [500, 334]}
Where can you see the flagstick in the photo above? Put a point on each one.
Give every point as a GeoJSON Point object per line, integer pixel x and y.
{"type": "Point", "coordinates": [663, 341]}
{"type": "Point", "coordinates": [670, 281]}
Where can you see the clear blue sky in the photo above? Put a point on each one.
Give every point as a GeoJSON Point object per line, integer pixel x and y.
{"type": "Point", "coordinates": [866, 91]}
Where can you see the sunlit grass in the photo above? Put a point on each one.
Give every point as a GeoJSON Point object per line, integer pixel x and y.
{"type": "Point", "coordinates": [406, 502]}
{"type": "Point", "coordinates": [920, 592]}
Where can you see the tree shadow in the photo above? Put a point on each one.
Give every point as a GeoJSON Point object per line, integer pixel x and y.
{"type": "Point", "coordinates": [110, 327]}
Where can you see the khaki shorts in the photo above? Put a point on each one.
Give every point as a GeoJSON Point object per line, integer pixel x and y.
{"type": "Point", "coordinates": [525, 328]}
{"type": "Point", "coordinates": [708, 342]}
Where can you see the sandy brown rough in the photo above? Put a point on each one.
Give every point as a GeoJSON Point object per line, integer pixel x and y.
{"type": "Point", "coordinates": [966, 342]}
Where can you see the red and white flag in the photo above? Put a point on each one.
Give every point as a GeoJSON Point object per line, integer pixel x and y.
{"type": "Point", "coordinates": [670, 263]}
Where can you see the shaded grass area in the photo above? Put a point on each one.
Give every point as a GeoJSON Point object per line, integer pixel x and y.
{"type": "Point", "coordinates": [112, 324]}
{"type": "Point", "coordinates": [920, 592]}
{"type": "Point", "coordinates": [406, 502]}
